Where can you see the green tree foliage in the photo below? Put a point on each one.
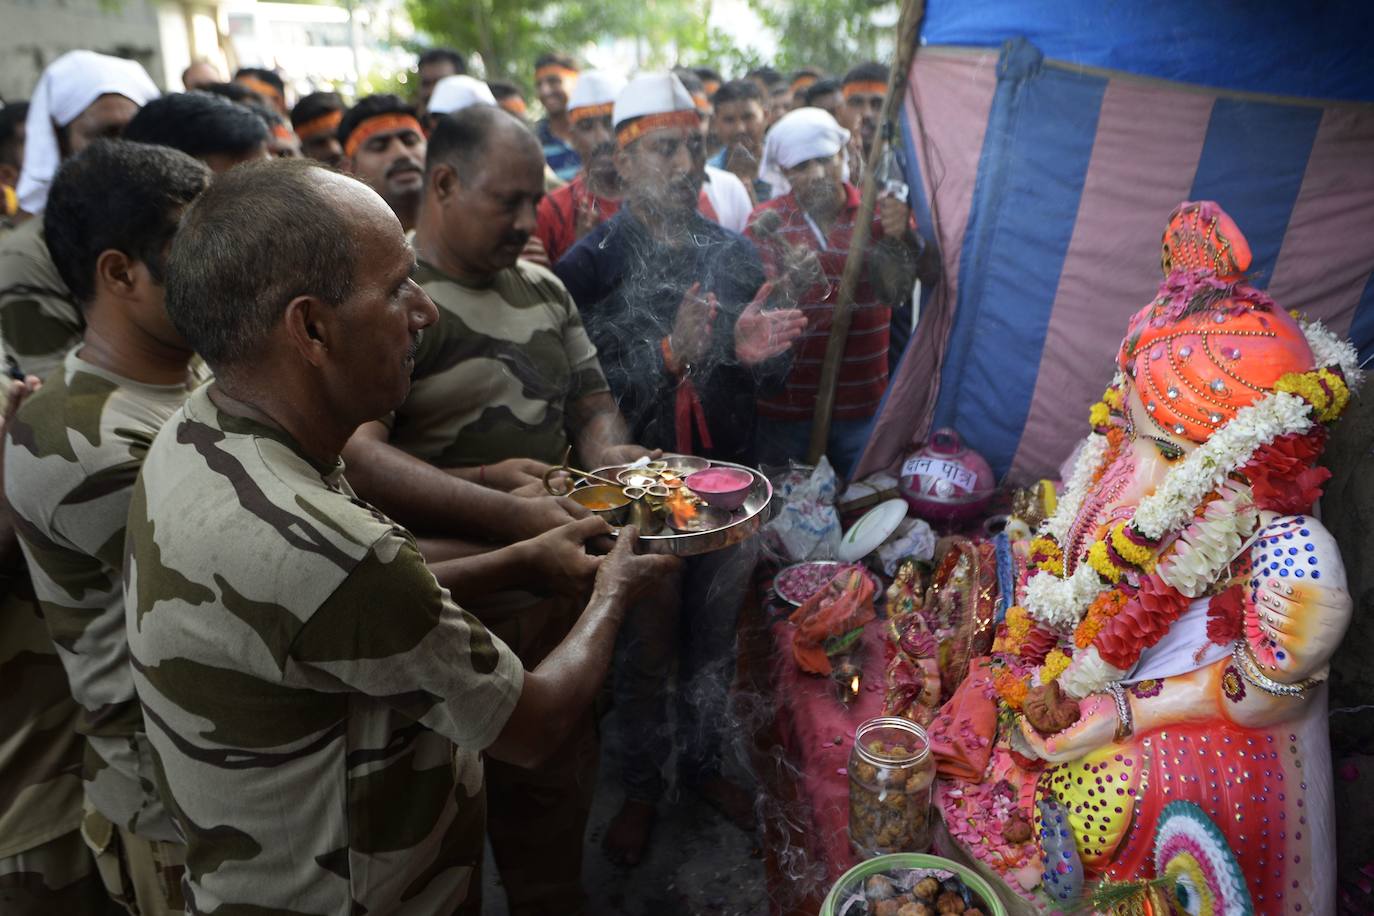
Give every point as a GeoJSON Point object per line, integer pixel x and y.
{"type": "Point", "coordinates": [830, 34]}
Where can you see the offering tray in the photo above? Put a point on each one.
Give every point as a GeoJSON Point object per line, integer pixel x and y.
{"type": "Point", "coordinates": [738, 525]}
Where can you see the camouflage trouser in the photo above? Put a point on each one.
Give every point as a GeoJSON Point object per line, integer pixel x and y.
{"type": "Point", "coordinates": [143, 876]}
{"type": "Point", "coordinates": [537, 819]}
{"type": "Point", "coordinates": [57, 877]}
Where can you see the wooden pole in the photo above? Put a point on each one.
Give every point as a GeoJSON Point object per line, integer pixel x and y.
{"type": "Point", "coordinates": [908, 30]}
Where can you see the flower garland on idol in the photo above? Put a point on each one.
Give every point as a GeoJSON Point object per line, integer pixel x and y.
{"type": "Point", "coordinates": [1142, 574]}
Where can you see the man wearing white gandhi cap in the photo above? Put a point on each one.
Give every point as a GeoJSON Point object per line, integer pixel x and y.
{"type": "Point", "coordinates": [81, 97]}
{"type": "Point", "coordinates": [671, 300]}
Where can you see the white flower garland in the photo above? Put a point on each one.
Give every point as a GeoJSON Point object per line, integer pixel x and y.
{"type": "Point", "coordinates": [1329, 350]}
{"type": "Point", "coordinates": [1088, 673]}
{"type": "Point", "coordinates": [1208, 545]}
{"type": "Point", "coordinates": [1061, 603]}
{"type": "Point", "coordinates": [1090, 456]}
{"type": "Point", "coordinates": [1229, 449]}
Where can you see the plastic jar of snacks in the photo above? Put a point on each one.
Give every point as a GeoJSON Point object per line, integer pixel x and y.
{"type": "Point", "coordinates": [891, 775]}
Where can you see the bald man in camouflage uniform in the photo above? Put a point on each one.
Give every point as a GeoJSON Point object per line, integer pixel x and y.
{"type": "Point", "coordinates": [317, 702]}
{"type": "Point", "coordinates": [504, 382]}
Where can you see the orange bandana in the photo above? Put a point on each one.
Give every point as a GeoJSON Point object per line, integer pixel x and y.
{"type": "Point", "coordinates": [281, 132]}
{"type": "Point", "coordinates": [710, 86]}
{"type": "Point", "coordinates": [864, 87]}
{"type": "Point", "coordinates": [583, 112]}
{"type": "Point", "coordinates": [261, 87]}
{"type": "Point", "coordinates": [555, 70]}
{"type": "Point", "coordinates": [703, 104]}
{"type": "Point", "coordinates": [802, 82]}
{"type": "Point", "coordinates": [641, 126]}
{"type": "Point", "coordinates": [515, 105]}
{"type": "Point", "coordinates": [326, 123]}
{"type": "Point", "coordinates": [377, 125]}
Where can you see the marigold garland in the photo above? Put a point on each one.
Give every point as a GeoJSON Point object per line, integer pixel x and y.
{"type": "Point", "coordinates": [1107, 606]}
{"type": "Point", "coordinates": [1054, 665]}
{"type": "Point", "coordinates": [1011, 689]}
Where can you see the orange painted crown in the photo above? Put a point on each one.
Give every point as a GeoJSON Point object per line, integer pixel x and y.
{"type": "Point", "coordinates": [1209, 344]}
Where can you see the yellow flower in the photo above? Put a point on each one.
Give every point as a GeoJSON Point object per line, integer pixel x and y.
{"type": "Point", "coordinates": [1055, 663]}
{"type": "Point", "coordinates": [1099, 560]}
{"type": "Point", "coordinates": [1308, 386]}
{"type": "Point", "coordinates": [1340, 394]}
{"type": "Point", "coordinates": [1113, 398]}
{"type": "Point", "coordinates": [1133, 553]}
{"type": "Point", "coordinates": [1099, 415]}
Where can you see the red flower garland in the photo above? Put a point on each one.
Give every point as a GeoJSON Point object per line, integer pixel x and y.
{"type": "Point", "coordinates": [1225, 616]}
{"type": "Point", "coordinates": [1283, 475]}
{"type": "Point", "coordinates": [1141, 623]}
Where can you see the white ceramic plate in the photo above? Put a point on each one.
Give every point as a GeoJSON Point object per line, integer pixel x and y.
{"type": "Point", "coordinates": [870, 531]}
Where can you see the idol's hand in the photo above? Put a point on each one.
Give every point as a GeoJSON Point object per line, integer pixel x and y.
{"type": "Point", "coordinates": [1095, 728]}
{"type": "Point", "coordinates": [1304, 621]}
{"type": "Point", "coordinates": [761, 335]}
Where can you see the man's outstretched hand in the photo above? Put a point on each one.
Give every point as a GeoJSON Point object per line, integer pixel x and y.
{"type": "Point", "coordinates": [761, 335]}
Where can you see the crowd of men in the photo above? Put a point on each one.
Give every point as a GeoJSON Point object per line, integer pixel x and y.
{"type": "Point", "coordinates": [289, 619]}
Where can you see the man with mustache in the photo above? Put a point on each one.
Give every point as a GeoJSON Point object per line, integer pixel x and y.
{"type": "Point", "coordinates": [503, 382]}
{"type": "Point", "coordinates": [593, 196]}
{"type": "Point", "coordinates": [384, 146]}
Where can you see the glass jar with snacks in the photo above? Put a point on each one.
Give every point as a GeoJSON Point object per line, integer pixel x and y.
{"type": "Point", "coordinates": [891, 775]}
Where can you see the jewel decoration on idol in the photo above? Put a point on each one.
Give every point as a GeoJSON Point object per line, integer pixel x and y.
{"type": "Point", "coordinates": [1204, 877]}
{"type": "Point", "coordinates": [1063, 874]}
{"type": "Point", "coordinates": [1238, 394]}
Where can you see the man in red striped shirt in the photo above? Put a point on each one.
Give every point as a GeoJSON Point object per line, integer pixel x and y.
{"type": "Point", "coordinates": [810, 229]}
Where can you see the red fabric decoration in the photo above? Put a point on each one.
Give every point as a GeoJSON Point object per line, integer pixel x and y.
{"type": "Point", "coordinates": [1038, 643]}
{"type": "Point", "coordinates": [1283, 475]}
{"type": "Point", "coordinates": [1225, 616]}
{"type": "Point", "coordinates": [1141, 623]}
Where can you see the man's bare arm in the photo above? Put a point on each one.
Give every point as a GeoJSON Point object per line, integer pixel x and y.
{"type": "Point", "coordinates": [599, 431]}
{"type": "Point", "coordinates": [426, 499]}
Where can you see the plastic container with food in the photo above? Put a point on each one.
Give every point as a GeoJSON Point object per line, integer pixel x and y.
{"type": "Point", "coordinates": [891, 777]}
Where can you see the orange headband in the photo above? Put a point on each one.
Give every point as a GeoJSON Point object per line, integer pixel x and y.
{"type": "Point", "coordinates": [866, 87]}
{"type": "Point", "coordinates": [281, 132]}
{"type": "Point", "coordinates": [583, 112]}
{"type": "Point", "coordinates": [711, 86]}
{"type": "Point", "coordinates": [261, 87]}
{"type": "Point", "coordinates": [641, 126]}
{"type": "Point", "coordinates": [551, 69]}
{"type": "Point", "coordinates": [515, 105]}
{"type": "Point", "coordinates": [325, 123]}
{"type": "Point", "coordinates": [380, 124]}
{"type": "Point", "coordinates": [802, 82]}
{"type": "Point", "coordinates": [703, 104]}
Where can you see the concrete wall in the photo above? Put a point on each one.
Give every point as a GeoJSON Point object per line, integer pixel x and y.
{"type": "Point", "coordinates": [34, 32]}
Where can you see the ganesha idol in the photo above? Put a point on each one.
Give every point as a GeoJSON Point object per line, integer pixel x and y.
{"type": "Point", "coordinates": [1160, 682]}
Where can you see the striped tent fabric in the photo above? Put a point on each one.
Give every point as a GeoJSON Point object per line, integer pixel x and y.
{"type": "Point", "coordinates": [1048, 183]}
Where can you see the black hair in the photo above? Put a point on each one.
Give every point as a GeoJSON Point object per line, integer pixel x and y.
{"type": "Point", "coordinates": [12, 118]}
{"type": "Point", "coordinates": [819, 88]}
{"type": "Point", "coordinates": [443, 55]}
{"type": "Point", "coordinates": [706, 74]}
{"type": "Point", "coordinates": [270, 77]}
{"type": "Point", "coordinates": [460, 138]}
{"type": "Point", "coordinates": [504, 90]}
{"type": "Point", "coordinates": [737, 91]}
{"type": "Point", "coordinates": [871, 71]}
{"type": "Point", "coordinates": [199, 124]}
{"type": "Point", "coordinates": [313, 105]}
{"type": "Point", "coordinates": [119, 195]}
{"type": "Point", "coordinates": [690, 81]}
{"type": "Point", "coordinates": [234, 92]}
{"type": "Point", "coordinates": [767, 75]}
{"type": "Point", "coordinates": [369, 107]}
{"type": "Point", "coordinates": [263, 234]}
{"type": "Point", "coordinates": [555, 59]}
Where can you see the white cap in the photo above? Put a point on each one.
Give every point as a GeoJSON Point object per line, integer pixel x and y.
{"type": "Point", "coordinates": [800, 136]}
{"type": "Point", "coordinates": [69, 86]}
{"type": "Point", "coordinates": [454, 93]}
{"type": "Point", "coordinates": [595, 88]}
{"type": "Point", "coordinates": [650, 94]}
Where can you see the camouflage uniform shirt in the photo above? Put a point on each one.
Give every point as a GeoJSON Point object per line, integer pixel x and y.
{"type": "Point", "coordinates": [39, 320]}
{"type": "Point", "coordinates": [304, 679]}
{"type": "Point", "coordinates": [496, 375]}
{"type": "Point", "coordinates": [73, 453]}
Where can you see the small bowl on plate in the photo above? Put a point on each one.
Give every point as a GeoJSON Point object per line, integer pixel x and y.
{"type": "Point", "coordinates": [604, 500]}
{"type": "Point", "coordinates": [722, 487]}
{"type": "Point", "coordinates": [682, 465]}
